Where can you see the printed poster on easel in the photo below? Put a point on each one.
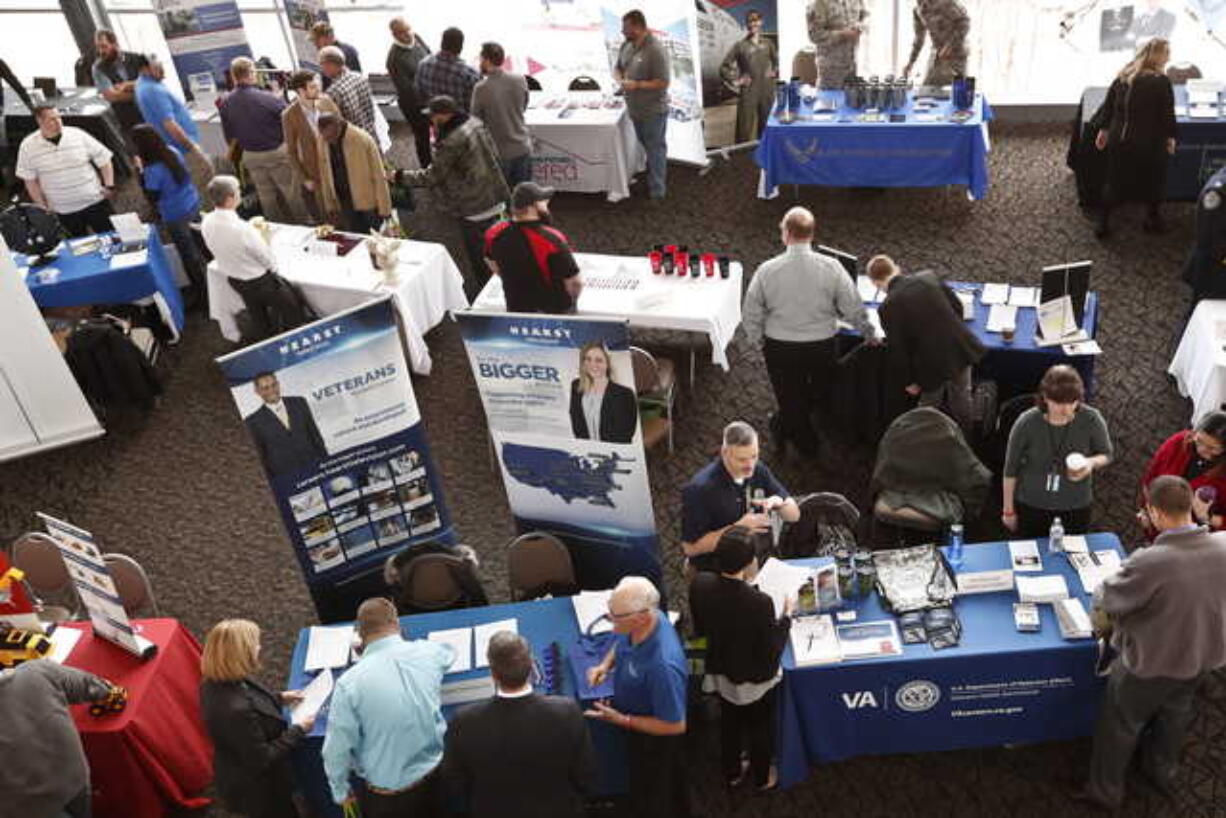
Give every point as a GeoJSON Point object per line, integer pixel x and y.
{"type": "Point", "coordinates": [203, 37]}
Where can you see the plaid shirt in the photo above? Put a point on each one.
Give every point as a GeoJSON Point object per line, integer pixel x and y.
{"type": "Point", "coordinates": [351, 93]}
{"type": "Point", "coordinates": [444, 73]}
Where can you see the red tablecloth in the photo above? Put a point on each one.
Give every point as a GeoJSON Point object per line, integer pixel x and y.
{"type": "Point", "coordinates": [156, 754]}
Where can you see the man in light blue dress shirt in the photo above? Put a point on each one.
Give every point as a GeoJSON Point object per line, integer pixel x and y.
{"type": "Point", "coordinates": [385, 724]}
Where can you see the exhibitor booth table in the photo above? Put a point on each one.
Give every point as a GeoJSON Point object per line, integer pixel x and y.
{"type": "Point", "coordinates": [155, 757]}
{"type": "Point", "coordinates": [998, 686]}
{"type": "Point", "coordinates": [1199, 365]}
{"type": "Point", "coordinates": [833, 149]}
{"type": "Point", "coordinates": [102, 277]}
{"type": "Point", "coordinates": [428, 285]}
{"type": "Point", "coordinates": [584, 142]}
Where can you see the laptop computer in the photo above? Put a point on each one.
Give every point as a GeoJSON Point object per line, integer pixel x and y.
{"type": "Point", "coordinates": [47, 86]}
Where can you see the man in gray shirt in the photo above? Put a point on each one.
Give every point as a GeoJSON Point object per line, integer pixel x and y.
{"type": "Point", "coordinates": [499, 100]}
{"type": "Point", "coordinates": [1168, 615]}
{"type": "Point", "coordinates": [793, 307]}
{"type": "Point", "coordinates": [643, 69]}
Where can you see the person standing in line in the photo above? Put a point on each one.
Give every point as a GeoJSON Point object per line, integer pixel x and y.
{"type": "Point", "coordinates": [499, 100]}
{"type": "Point", "coordinates": [67, 171]}
{"type": "Point", "coordinates": [946, 23]}
{"type": "Point", "coordinates": [835, 28]}
{"type": "Point", "coordinates": [1136, 127]}
{"type": "Point", "coordinates": [403, 58]}
{"type": "Point", "coordinates": [349, 90]}
{"type": "Point", "coordinates": [322, 36]}
{"type": "Point", "coordinates": [443, 73]}
{"type": "Point", "coordinates": [792, 307]}
{"type": "Point", "coordinates": [751, 66]}
{"type": "Point", "coordinates": [354, 190]}
{"type": "Point", "coordinates": [164, 177]}
{"type": "Point", "coordinates": [300, 124]}
{"type": "Point", "coordinates": [643, 70]}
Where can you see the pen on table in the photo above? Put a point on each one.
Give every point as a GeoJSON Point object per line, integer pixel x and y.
{"type": "Point", "coordinates": [1093, 556]}
{"type": "Point", "coordinates": [809, 647]}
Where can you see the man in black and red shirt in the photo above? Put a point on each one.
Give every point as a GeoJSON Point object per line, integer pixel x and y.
{"type": "Point", "coordinates": [538, 272]}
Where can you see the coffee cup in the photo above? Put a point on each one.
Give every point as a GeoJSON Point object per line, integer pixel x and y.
{"type": "Point", "coordinates": [1076, 462]}
{"type": "Point", "coordinates": [1007, 332]}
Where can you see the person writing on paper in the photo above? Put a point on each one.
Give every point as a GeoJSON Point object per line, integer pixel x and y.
{"type": "Point", "coordinates": [519, 754]}
{"type": "Point", "coordinates": [649, 692]}
{"type": "Point", "coordinates": [1168, 618]}
{"type": "Point", "coordinates": [1041, 481]}
{"type": "Point", "coordinates": [733, 489]}
{"type": "Point", "coordinates": [744, 642]}
{"type": "Point", "coordinates": [251, 741]}
{"type": "Point", "coordinates": [601, 408]}
{"type": "Point", "coordinates": [1199, 456]}
{"type": "Point", "coordinates": [385, 724]}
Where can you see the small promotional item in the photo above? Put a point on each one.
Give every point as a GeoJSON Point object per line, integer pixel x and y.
{"type": "Point", "coordinates": [708, 264]}
{"type": "Point", "coordinates": [116, 701]}
{"type": "Point", "coordinates": [1026, 617]}
{"type": "Point", "coordinates": [943, 628]}
{"type": "Point", "coordinates": [911, 626]}
{"type": "Point", "coordinates": [694, 265]}
{"type": "Point", "coordinates": [681, 260]}
{"type": "Point", "coordinates": [725, 265]}
{"type": "Point", "coordinates": [657, 261]}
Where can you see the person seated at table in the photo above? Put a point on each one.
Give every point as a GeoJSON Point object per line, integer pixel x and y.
{"type": "Point", "coordinates": [246, 260]}
{"type": "Point", "coordinates": [353, 189]}
{"type": "Point", "coordinates": [519, 754]}
{"type": "Point", "coordinates": [384, 723]}
{"type": "Point", "coordinates": [744, 642]}
{"type": "Point", "coordinates": [251, 741]}
{"type": "Point", "coordinates": [1197, 455]}
{"type": "Point", "coordinates": [68, 172]}
{"type": "Point", "coordinates": [930, 347]}
{"type": "Point", "coordinates": [650, 678]}
{"type": "Point", "coordinates": [44, 770]}
{"type": "Point", "coordinates": [1039, 484]}
{"type": "Point", "coordinates": [601, 408]}
{"type": "Point", "coordinates": [1167, 616]}
{"type": "Point", "coordinates": [532, 257]}
{"type": "Point", "coordinates": [168, 184]}
{"type": "Point", "coordinates": [733, 489]}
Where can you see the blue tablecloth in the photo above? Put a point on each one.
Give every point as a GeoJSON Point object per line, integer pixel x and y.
{"type": "Point", "coordinates": [540, 622]}
{"type": "Point", "coordinates": [89, 279]}
{"type": "Point", "coordinates": [997, 687]}
{"type": "Point", "coordinates": [846, 153]}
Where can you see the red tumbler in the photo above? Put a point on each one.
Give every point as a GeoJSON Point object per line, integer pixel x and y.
{"type": "Point", "coordinates": [708, 264]}
{"type": "Point", "coordinates": [657, 260]}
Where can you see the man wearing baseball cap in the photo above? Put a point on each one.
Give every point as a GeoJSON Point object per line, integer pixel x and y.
{"type": "Point", "coordinates": [538, 272]}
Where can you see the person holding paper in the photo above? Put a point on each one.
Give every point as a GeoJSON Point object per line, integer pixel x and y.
{"type": "Point", "coordinates": [251, 741]}
{"type": "Point", "coordinates": [1167, 613]}
{"type": "Point", "coordinates": [650, 674]}
{"type": "Point", "coordinates": [1199, 456]}
{"type": "Point", "coordinates": [1039, 481]}
{"type": "Point", "coordinates": [744, 643]}
{"type": "Point", "coordinates": [385, 724]}
{"type": "Point", "coordinates": [520, 754]}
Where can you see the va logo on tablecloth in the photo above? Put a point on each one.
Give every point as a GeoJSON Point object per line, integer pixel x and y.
{"type": "Point", "coordinates": [918, 696]}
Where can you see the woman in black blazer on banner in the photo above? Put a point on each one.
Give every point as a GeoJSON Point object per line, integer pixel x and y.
{"type": "Point", "coordinates": [600, 408]}
{"type": "Point", "coordinates": [251, 741]}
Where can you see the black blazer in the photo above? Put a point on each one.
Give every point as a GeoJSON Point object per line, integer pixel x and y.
{"type": "Point", "coordinates": [251, 745]}
{"type": "Point", "coordinates": [619, 413]}
{"type": "Point", "coordinates": [1140, 115]}
{"type": "Point", "coordinates": [286, 450]}
{"type": "Point", "coordinates": [529, 757]}
{"type": "Point", "coordinates": [744, 639]}
{"type": "Point", "coordinates": [926, 337]}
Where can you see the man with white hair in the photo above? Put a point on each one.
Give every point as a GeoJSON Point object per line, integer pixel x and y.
{"type": "Point", "coordinates": [649, 699]}
{"type": "Point", "coordinates": [348, 89]}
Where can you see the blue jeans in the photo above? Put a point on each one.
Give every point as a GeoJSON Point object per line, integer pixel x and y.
{"type": "Point", "coordinates": [650, 133]}
{"type": "Point", "coordinates": [517, 170]}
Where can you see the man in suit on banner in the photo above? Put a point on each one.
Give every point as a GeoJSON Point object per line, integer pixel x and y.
{"type": "Point", "coordinates": [284, 429]}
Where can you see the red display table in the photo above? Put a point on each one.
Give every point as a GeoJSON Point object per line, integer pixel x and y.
{"type": "Point", "coordinates": [155, 755]}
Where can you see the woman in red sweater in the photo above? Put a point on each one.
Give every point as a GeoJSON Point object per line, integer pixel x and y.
{"type": "Point", "coordinates": [1199, 456]}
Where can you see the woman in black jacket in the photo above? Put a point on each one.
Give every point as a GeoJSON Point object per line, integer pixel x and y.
{"type": "Point", "coordinates": [1136, 126]}
{"type": "Point", "coordinates": [744, 643]}
{"type": "Point", "coordinates": [251, 741]}
{"type": "Point", "coordinates": [600, 408]}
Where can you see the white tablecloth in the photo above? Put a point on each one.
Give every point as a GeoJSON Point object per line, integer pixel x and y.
{"type": "Point", "coordinates": [1199, 365]}
{"type": "Point", "coordinates": [589, 150]}
{"type": "Point", "coordinates": [624, 287]}
{"type": "Point", "coordinates": [430, 285]}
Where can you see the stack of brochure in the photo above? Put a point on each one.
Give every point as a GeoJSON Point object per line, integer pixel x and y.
{"type": "Point", "coordinates": [814, 641]}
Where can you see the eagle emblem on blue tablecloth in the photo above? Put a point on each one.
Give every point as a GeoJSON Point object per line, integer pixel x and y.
{"type": "Point", "coordinates": [802, 151]}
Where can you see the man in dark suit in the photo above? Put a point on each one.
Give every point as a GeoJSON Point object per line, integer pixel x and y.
{"type": "Point", "coordinates": [520, 754]}
{"type": "Point", "coordinates": [931, 349]}
{"type": "Point", "coordinates": [284, 429]}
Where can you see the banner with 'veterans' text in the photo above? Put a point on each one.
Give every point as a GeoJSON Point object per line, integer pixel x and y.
{"type": "Point", "coordinates": [203, 37]}
{"type": "Point", "coordinates": [331, 411]}
{"type": "Point", "coordinates": [559, 398]}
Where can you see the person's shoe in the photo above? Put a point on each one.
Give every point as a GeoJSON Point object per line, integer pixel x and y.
{"type": "Point", "coordinates": [1093, 803]}
{"type": "Point", "coordinates": [772, 781]}
{"type": "Point", "coordinates": [1155, 225]}
{"type": "Point", "coordinates": [1158, 784]}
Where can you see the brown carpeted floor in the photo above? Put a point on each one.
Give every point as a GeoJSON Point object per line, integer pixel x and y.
{"type": "Point", "coordinates": [182, 490]}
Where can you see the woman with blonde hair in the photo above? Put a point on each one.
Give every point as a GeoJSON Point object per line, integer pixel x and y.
{"type": "Point", "coordinates": [1136, 126]}
{"type": "Point", "coordinates": [600, 408]}
{"type": "Point", "coordinates": [251, 741]}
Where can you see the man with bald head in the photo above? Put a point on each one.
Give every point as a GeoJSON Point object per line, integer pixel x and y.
{"type": "Point", "coordinates": [385, 724]}
{"type": "Point", "coordinates": [649, 686]}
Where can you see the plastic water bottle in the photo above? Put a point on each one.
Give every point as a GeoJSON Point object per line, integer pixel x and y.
{"type": "Point", "coordinates": [1055, 537]}
{"type": "Point", "coordinates": [955, 545]}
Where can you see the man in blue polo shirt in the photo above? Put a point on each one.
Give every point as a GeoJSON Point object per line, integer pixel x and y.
{"type": "Point", "coordinates": [170, 118]}
{"type": "Point", "coordinates": [649, 695]}
{"type": "Point", "coordinates": [733, 489]}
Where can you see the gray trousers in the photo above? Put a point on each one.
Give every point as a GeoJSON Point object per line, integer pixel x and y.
{"type": "Point", "coordinates": [276, 184]}
{"type": "Point", "coordinates": [956, 394]}
{"type": "Point", "coordinates": [1153, 713]}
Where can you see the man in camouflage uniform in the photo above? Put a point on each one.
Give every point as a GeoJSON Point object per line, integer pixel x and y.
{"type": "Point", "coordinates": [946, 23]}
{"type": "Point", "coordinates": [751, 67]}
{"type": "Point", "coordinates": [835, 27]}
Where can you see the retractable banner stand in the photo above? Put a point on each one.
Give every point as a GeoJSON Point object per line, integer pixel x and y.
{"type": "Point", "coordinates": [203, 36]}
{"type": "Point", "coordinates": [302, 14]}
{"type": "Point", "coordinates": [331, 411]}
{"type": "Point", "coordinates": [571, 467]}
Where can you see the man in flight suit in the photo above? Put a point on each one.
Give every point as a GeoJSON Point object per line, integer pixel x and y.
{"type": "Point", "coordinates": [946, 23]}
{"type": "Point", "coordinates": [751, 67]}
{"type": "Point", "coordinates": [835, 27]}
